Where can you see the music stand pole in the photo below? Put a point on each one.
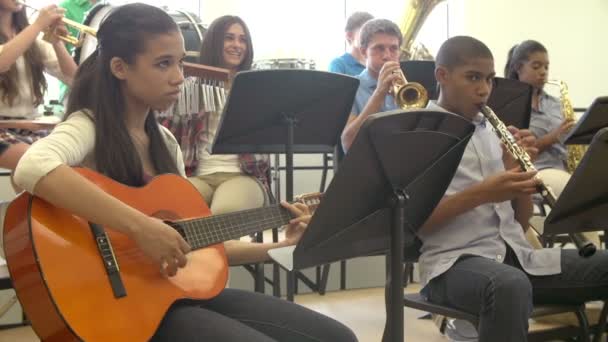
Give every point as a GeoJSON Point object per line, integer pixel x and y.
{"type": "Point", "coordinates": [394, 287]}
{"type": "Point", "coordinates": [359, 218]}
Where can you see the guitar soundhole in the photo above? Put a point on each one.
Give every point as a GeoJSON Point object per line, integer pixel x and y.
{"type": "Point", "coordinates": [166, 215]}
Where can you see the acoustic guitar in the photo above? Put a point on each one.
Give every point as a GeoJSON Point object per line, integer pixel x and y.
{"type": "Point", "coordinates": [77, 280]}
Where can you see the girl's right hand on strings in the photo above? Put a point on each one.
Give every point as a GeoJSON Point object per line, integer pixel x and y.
{"type": "Point", "coordinates": [49, 16]}
{"type": "Point", "coordinates": [161, 243]}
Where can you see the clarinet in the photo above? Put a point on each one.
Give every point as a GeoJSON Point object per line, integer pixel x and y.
{"type": "Point", "coordinates": [585, 247]}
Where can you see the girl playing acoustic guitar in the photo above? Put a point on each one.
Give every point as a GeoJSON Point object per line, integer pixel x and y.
{"type": "Point", "coordinates": [135, 71]}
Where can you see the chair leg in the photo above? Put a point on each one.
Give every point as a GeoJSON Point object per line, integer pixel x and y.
{"type": "Point", "coordinates": [259, 278]}
{"type": "Point", "coordinates": [583, 323]}
{"type": "Point", "coordinates": [322, 282]}
{"type": "Point", "coordinates": [291, 280]}
{"type": "Point", "coordinates": [276, 280]}
{"type": "Point", "coordinates": [318, 274]}
{"type": "Point", "coordinates": [324, 172]}
{"type": "Point", "coordinates": [276, 271]}
{"type": "Point", "coordinates": [343, 275]}
{"type": "Point", "coordinates": [601, 324]}
{"type": "Point", "coordinates": [408, 273]}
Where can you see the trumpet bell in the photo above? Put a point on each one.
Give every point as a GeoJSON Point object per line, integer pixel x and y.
{"type": "Point", "coordinates": [411, 95]}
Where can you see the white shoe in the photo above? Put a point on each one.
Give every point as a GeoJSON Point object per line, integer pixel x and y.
{"type": "Point", "coordinates": [458, 330]}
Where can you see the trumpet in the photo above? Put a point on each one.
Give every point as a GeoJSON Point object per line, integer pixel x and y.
{"type": "Point", "coordinates": [75, 41]}
{"type": "Point", "coordinates": [83, 29]}
{"type": "Point", "coordinates": [408, 94]}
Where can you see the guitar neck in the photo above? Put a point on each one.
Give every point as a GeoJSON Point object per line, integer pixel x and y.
{"type": "Point", "coordinates": [203, 232]}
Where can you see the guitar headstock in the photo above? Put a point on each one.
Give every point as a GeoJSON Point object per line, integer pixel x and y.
{"type": "Point", "coordinates": [312, 200]}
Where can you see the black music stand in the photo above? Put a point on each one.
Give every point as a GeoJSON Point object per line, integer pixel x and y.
{"type": "Point", "coordinates": [386, 189]}
{"type": "Point", "coordinates": [594, 119]}
{"type": "Point", "coordinates": [264, 108]}
{"type": "Point", "coordinates": [512, 102]}
{"type": "Point", "coordinates": [583, 204]}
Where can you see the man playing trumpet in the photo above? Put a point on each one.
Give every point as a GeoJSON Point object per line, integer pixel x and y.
{"type": "Point", "coordinates": [380, 42]}
{"type": "Point", "coordinates": [74, 10]}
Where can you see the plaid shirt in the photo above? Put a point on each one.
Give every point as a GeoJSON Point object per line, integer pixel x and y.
{"type": "Point", "coordinates": [192, 134]}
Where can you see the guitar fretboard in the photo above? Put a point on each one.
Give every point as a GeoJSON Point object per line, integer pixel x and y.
{"type": "Point", "coordinates": [203, 232]}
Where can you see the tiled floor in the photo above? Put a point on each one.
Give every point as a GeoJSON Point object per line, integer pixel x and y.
{"type": "Point", "coordinates": [361, 310]}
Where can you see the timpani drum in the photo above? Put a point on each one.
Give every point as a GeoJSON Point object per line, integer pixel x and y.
{"type": "Point", "coordinates": [284, 63]}
{"type": "Point", "coordinates": [189, 24]}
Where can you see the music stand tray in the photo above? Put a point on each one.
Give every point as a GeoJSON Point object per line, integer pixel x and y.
{"type": "Point", "coordinates": [594, 119]}
{"type": "Point", "coordinates": [262, 102]}
{"type": "Point", "coordinates": [393, 176]}
{"type": "Point", "coordinates": [583, 204]}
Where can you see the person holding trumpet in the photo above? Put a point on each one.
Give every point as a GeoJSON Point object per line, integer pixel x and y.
{"type": "Point", "coordinates": [23, 59]}
{"type": "Point", "coordinates": [75, 10]}
{"type": "Point", "coordinates": [380, 42]}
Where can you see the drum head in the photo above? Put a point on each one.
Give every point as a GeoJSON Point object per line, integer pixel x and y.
{"type": "Point", "coordinates": [189, 24]}
{"type": "Point", "coordinates": [93, 19]}
{"type": "Point", "coordinates": [284, 63]}
{"type": "Point", "coordinates": [192, 30]}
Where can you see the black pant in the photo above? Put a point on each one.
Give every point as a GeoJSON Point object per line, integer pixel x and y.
{"type": "Point", "coordinates": [502, 294]}
{"type": "Point", "coordinates": [237, 315]}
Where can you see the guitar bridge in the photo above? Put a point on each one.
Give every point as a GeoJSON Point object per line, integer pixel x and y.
{"type": "Point", "coordinates": [109, 260]}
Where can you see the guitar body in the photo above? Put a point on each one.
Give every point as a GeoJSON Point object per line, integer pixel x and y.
{"type": "Point", "coordinates": [60, 278]}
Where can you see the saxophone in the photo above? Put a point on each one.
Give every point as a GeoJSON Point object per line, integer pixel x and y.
{"type": "Point", "coordinates": [575, 152]}
{"type": "Point", "coordinates": [585, 247]}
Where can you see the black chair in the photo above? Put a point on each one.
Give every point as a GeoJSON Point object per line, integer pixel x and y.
{"type": "Point", "coordinates": [256, 270]}
{"type": "Point", "coordinates": [5, 280]}
{"type": "Point", "coordinates": [6, 284]}
{"type": "Point", "coordinates": [582, 332]}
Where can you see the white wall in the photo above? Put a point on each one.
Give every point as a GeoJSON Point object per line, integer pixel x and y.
{"type": "Point", "coordinates": [287, 28]}
{"type": "Point", "coordinates": [433, 32]}
{"type": "Point", "coordinates": [573, 32]}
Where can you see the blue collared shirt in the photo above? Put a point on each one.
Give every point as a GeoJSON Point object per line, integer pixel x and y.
{"type": "Point", "coordinates": [548, 118]}
{"type": "Point", "coordinates": [367, 85]}
{"type": "Point", "coordinates": [346, 64]}
{"type": "Point", "coordinates": [486, 229]}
